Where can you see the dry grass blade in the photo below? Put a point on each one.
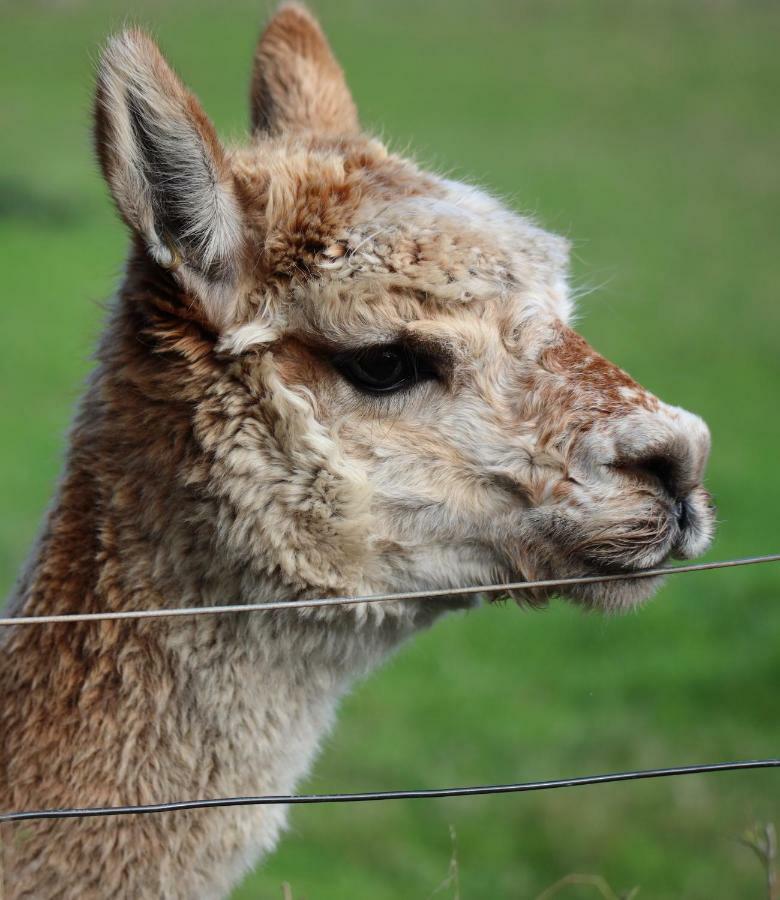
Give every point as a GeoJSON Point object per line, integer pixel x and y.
{"type": "Point", "coordinates": [598, 883]}
{"type": "Point", "coordinates": [762, 840]}
{"type": "Point", "coordinates": [453, 872]}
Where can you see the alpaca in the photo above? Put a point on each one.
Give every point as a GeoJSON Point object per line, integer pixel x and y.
{"type": "Point", "coordinates": [326, 372]}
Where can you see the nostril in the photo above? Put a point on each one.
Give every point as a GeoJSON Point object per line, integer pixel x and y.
{"type": "Point", "coordinates": [661, 470]}
{"type": "Point", "coordinates": [664, 470]}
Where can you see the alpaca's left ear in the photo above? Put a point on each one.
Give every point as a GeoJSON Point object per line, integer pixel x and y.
{"type": "Point", "coordinates": [297, 84]}
{"type": "Point", "coordinates": [167, 170]}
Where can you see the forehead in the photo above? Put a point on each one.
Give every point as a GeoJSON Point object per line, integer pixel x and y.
{"type": "Point", "coordinates": [368, 237]}
{"type": "Point", "coordinates": [453, 243]}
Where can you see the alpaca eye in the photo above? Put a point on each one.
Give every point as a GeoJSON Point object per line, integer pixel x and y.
{"type": "Point", "coordinates": [382, 369]}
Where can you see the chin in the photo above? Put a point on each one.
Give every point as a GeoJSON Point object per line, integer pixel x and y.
{"type": "Point", "coordinates": [616, 596]}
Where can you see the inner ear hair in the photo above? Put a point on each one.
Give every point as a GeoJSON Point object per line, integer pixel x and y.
{"type": "Point", "coordinates": [182, 179]}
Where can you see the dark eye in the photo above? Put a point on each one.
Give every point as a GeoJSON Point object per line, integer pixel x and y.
{"type": "Point", "coordinates": [383, 368]}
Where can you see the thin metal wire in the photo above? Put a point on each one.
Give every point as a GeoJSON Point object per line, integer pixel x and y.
{"type": "Point", "coordinates": [379, 598]}
{"type": "Point", "coordinates": [473, 791]}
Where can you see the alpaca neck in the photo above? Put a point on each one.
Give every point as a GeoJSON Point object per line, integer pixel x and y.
{"type": "Point", "coordinates": [110, 713]}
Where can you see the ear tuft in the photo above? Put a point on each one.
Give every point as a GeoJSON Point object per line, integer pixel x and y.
{"type": "Point", "coordinates": [297, 84]}
{"type": "Point", "coordinates": [163, 162]}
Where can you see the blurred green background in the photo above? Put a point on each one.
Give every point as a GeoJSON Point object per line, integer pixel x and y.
{"type": "Point", "coordinates": [648, 133]}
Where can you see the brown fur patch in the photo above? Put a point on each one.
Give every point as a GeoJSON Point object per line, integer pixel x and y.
{"type": "Point", "coordinates": [298, 364]}
{"type": "Point", "coordinates": [609, 388]}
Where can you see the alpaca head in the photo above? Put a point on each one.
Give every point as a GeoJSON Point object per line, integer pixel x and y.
{"type": "Point", "coordinates": [388, 392]}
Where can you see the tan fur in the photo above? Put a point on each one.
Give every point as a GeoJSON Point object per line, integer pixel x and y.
{"type": "Point", "coordinates": [219, 456]}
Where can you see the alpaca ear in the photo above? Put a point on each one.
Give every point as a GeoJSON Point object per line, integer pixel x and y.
{"type": "Point", "coordinates": [296, 82]}
{"type": "Point", "coordinates": [165, 166]}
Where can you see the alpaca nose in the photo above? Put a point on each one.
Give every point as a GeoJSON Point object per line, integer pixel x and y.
{"type": "Point", "coordinates": [668, 450]}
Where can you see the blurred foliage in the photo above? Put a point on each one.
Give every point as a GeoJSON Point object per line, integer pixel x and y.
{"type": "Point", "coordinates": [647, 133]}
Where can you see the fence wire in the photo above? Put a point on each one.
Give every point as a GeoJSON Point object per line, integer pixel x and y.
{"type": "Point", "coordinates": [380, 598]}
{"type": "Point", "coordinates": [369, 796]}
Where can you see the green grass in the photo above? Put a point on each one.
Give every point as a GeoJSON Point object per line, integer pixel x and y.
{"type": "Point", "coordinates": [649, 134]}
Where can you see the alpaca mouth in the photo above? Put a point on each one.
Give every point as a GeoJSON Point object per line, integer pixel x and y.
{"type": "Point", "coordinates": [683, 531]}
{"type": "Point", "coordinates": [617, 594]}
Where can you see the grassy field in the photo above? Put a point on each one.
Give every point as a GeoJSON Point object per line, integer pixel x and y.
{"type": "Point", "coordinates": [649, 134]}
